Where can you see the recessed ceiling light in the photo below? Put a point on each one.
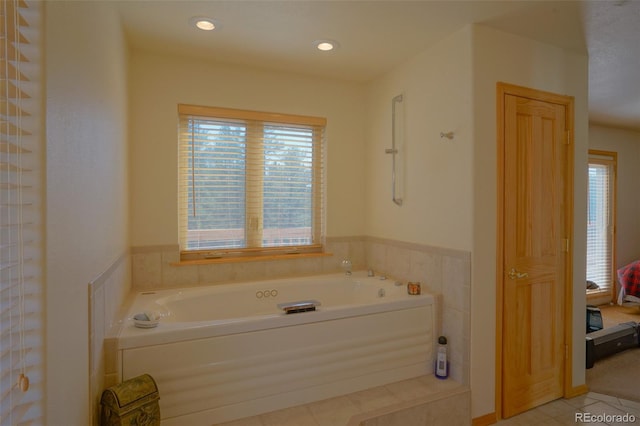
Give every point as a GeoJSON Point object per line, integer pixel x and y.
{"type": "Point", "coordinates": [203, 23]}
{"type": "Point", "coordinates": [326, 45]}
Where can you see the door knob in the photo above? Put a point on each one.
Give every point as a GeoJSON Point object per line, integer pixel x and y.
{"type": "Point", "coordinates": [516, 275]}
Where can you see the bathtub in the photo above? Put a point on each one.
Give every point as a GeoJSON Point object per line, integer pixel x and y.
{"type": "Point", "coordinates": [227, 351]}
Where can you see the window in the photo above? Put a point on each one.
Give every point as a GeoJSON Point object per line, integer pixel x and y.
{"type": "Point", "coordinates": [21, 207]}
{"type": "Point", "coordinates": [601, 222]}
{"type": "Point", "coordinates": [250, 183]}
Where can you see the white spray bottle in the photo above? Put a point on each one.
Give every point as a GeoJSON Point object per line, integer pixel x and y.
{"type": "Point", "coordinates": [442, 365]}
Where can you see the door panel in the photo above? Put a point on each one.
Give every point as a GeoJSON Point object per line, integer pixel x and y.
{"type": "Point", "coordinates": [534, 253]}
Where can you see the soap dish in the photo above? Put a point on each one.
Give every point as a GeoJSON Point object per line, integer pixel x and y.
{"type": "Point", "coordinates": [146, 320]}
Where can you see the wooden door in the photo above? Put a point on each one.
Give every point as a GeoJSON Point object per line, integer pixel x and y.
{"type": "Point", "coordinates": [535, 246]}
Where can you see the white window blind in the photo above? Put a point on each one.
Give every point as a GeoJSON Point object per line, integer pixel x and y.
{"type": "Point", "coordinates": [250, 182]}
{"type": "Point", "coordinates": [21, 289]}
{"type": "Point", "coordinates": [601, 220]}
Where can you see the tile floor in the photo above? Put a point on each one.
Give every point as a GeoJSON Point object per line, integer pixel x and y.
{"type": "Point", "coordinates": [568, 411]}
{"type": "Point", "coordinates": [337, 411]}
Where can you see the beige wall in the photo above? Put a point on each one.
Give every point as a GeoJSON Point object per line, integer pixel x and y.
{"type": "Point", "coordinates": [450, 187]}
{"type": "Point", "coordinates": [435, 172]}
{"type": "Point", "coordinates": [159, 83]}
{"type": "Point", "coordinates": [86, 184]}
{"type": "Point", "coordinates": [499, 56]}
{"type": "Point", "coordinates": [627, 144]}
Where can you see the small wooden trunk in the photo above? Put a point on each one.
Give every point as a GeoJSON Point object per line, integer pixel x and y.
{"type": "Point", "coordinates": [132, 402]}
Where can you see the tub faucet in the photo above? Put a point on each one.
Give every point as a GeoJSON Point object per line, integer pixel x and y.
{"type": "Point", "coordinates": [346, 266]}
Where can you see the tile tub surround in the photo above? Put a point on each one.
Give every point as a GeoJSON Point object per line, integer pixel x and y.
{"type": "Point", "coordinates": [108, 293]}
{"type": "Point", "coordinates": [441, 271]}
{"type": "Point", "coordinates": [153, 267]}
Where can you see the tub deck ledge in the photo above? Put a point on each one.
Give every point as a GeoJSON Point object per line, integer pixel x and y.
{"type": "Point", "coordinates": [407, 402]}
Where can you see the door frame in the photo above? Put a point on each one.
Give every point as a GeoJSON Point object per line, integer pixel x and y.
{"type": "Point", "coordinates": [503, 89]}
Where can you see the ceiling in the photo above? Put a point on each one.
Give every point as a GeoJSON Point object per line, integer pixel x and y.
{"type": "Point", "coordinates": [376, 36]}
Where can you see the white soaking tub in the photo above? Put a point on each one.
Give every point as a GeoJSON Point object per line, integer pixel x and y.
{"type": "Point", "coordinates": [227, 351]}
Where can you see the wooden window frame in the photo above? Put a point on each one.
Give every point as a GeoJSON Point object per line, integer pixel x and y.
{"type": "Point", "coordinates": [254, 250]}
{"type": "Point", "coordinates": [608, 158]}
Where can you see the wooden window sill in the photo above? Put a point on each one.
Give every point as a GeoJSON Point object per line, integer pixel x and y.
{"type": "Point", "coordinates": [241, 259]}
{"type": "Point", "coordinates": [592, 294]}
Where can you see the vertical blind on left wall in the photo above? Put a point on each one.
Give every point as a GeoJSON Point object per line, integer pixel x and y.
{"type": "Point", "coordinates": [21, 206]}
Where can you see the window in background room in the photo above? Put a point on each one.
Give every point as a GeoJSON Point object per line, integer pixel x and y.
{"type": "Point", "coordinates": [601, 222]}
{"type": "Point", "coordinates": [21, 215]}
{"type": "Point", "coordinates": [251, 183]}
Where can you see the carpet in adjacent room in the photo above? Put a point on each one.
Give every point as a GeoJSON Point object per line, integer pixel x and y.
{"type": "Point", "coordinates": [617, 375]}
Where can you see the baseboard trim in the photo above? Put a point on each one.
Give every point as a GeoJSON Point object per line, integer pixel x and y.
{"type": "Point", "coordinates": [487, 419]}
{"type": "Point", "coordinates": [576, 390]}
